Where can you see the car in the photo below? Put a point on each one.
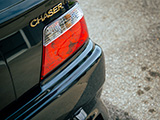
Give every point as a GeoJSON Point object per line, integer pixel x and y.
{"type": "Point", "coordinates": [49, 67]}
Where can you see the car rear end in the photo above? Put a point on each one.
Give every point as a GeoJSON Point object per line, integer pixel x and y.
{"type": "Point", "coordinates": [51, 68]}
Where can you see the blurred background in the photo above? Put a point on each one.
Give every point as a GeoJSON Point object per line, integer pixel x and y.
{"type": "Point", "coordinates": [129, 33]}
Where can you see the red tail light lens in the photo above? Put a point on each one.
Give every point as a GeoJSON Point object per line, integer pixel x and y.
{"type": "Point", "coordinates": [62, 38]}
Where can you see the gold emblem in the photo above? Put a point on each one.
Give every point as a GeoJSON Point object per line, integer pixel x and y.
{"type": "Point", "coordinates": [48, 14]}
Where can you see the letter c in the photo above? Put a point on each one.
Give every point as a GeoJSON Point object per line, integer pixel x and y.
{"type": "Point", "coordinates": [33, 23]}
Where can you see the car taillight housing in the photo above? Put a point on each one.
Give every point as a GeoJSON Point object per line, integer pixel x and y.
{"type": "Point", "coordinates": [62, 38]}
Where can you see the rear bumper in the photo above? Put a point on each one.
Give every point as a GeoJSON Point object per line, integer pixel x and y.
{"type": "Point", "coordinates": [77, 85]}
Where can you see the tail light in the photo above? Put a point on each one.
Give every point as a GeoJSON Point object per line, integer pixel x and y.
{"type": "Point", "coordinates": [62, 38]}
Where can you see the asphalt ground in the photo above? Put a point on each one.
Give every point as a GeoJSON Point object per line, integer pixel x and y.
{"type": "Point", "coordinates": [129, 33]}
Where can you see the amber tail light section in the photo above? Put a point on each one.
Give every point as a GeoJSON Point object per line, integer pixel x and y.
{"type": "Point", "coordinates": [62, 38]}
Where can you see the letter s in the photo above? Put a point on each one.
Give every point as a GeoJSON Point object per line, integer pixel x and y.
{"type": "Point", "coordinates": [50, 13]}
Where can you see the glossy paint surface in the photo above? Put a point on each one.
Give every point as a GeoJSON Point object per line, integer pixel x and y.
{"type": "Point", "coordinates": [7, 94]}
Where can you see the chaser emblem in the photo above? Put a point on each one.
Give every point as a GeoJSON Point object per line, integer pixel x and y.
{"type": "Point", "coordinates": [48, 14]}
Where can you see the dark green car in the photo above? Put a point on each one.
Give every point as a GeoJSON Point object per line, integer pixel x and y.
{"type": "Point", "coordinates": [49, 67]}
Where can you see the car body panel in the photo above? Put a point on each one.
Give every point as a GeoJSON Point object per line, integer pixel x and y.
{"type": "Point", "coordinates": [7, 94]}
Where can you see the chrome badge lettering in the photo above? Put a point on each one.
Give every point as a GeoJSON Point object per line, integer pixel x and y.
{"type": "Point", "coordinates": [48, 14]}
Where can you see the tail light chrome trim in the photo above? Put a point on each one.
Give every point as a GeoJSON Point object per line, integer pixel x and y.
{"type": "Point", "coordinates": [62, 24]}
